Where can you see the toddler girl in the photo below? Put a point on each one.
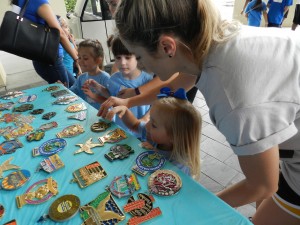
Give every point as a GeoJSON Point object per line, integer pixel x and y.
{"type": "Point", "coordinates": [174, 129]}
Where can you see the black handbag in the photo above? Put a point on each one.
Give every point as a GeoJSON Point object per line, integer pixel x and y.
{"type": "Point", "coordinates": [27, 39]}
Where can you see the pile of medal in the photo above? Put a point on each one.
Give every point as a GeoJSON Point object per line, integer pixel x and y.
{"type": "Point", "coordinates": [103, 209]}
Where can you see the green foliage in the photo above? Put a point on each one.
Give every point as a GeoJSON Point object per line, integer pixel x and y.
{"type": "Point", "coordinates": [70, 5]}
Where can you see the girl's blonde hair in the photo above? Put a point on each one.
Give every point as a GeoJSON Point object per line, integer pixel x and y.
{"type": "Point", "coordinates": [183, 125]}
{"type": "Point", "coordinates": [97, 49]}
{"type": "Point", "coordinates": [196, 24]}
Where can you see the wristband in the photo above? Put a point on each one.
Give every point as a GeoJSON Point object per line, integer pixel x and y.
{"type": "Point", "coordinates": [137, 91]}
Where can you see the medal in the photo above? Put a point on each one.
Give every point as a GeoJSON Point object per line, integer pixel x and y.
{"type": "Point", "coordinates": [100, 126]}
{"type": "Point", "coordinates": [2, 211]}
{"type": "Point", "coordinates": [21, 130]}
{"type": "Point", "coordinates": [8, 147]}
{"type": "Point", "coordinates": [65, 100]}
{"type": "Point", "coordinates": [119, 152]}
{"type": "Point", "coordinates": [23, 108]}
{"type": "Point", "coordinates": [89, 174]}
{"type": "Point", "coordinates": [7, 166]}
{"type": "Point", "coordinates": [78, 116]}
{"type": "Point", "coordinates": [12, 222]}
{"type": "Point", "coordinates": [51, 164]}
{"type": "Point", "coordinates": [50, 147]}
{"type": "Point", "coordinates": [142, 209]}
{"type": "Point", "coordinates": [164, 183]}
{"type": "Point", "coordinates": [35, 136]}
{"type": "Point", "coordinates": [76, 107]}
{"type": "Point", "coordinates": [29, 98]}
{"type": "Point", "coordinates": [70, 131]}
{"type": "Point", "coordinates": [11, 94]}
{"type": "Point", "coordinates": [138, 171]}
{"type": "Point", "coordinates": [15, 180]}
{"type": "Point", "coordinates": [48, 126]}
{"type": "Point", "coordinates": [51, 88]}
{"type": "Point", "coordinates": [37, 111]}
{"type": "Point", "coordinates": [86, 147]}
{"type": "Point", "coordinates": [123, 186]}
{"type": "Point", "coordinates": [102, 210]}
{"type": "Point", "coordinates": [38, 193]}
{"type": "Point", "coordinates": [49, 115]}
{"type": "Point", "coordinates": [150, 161]}
{"type": "Point", "coordinates": [6, 106]}
{"type": "Point", "coordinates": [113, 136]}
{"type": "Point", "coordinates": [62, 209]}
{"type": "Point", "coordinates": [59, 93]}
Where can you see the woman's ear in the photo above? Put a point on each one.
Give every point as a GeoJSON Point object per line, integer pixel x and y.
{"type": "Point", "coordinates": [168, 45]}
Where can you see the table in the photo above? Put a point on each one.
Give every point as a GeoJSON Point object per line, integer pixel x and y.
{"type": "Point", "coordinates": [192, 205]}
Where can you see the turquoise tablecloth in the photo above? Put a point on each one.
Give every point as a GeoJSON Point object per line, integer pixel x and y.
{"type": "Point", "coordinates": [192, 205]}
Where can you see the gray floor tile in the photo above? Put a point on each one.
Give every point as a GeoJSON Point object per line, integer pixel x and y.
{"type": "Point", "coordinates": [216, 149]}
{"type": "Point", "coordinates": [218, 171]}
{"type": "Point", "coordinates": [212, 132]}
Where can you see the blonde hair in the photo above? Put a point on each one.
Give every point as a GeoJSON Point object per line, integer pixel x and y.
{"type": "Point", "coordinates": [97, 49]}
{"type": "Point", "coordinates": [183, 125]}
{"type": "Point", "coordinates": [196, 23]}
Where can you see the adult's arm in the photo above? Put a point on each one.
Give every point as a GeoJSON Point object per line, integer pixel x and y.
{"type": "Point", "coordinates": [45, 11]}
{"type": "Point", "coordinates": [176, 81]}
{"type": "Point", "coordinates": [245, 4]}
{"type": "Point", "coordinates": [262, 174]}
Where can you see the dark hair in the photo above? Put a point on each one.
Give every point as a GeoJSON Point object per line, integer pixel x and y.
{"type": "Point", "coordinates": [258, 6]}
{"type": "Point", "coordinates": [117, 46]}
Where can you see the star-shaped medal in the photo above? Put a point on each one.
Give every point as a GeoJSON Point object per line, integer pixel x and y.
{"type": "Point", "coordinates": [86, 147]}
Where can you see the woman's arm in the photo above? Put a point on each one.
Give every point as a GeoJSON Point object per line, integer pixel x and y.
{"type": "Point", "coordinates": [147, 97]}
{"type": "Point", "coordinates": [265, 15]}
{"type": "Point", "coordinates": [45, 11]}
{"type": "Point", "coordinates": [262, 174]}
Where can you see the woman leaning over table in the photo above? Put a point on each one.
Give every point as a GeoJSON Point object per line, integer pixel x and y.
{"type": "Point", "coordinates": [250, 83]}
{"type": "Point", "coordinates": [40, 11]}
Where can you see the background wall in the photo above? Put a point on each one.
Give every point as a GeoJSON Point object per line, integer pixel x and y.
{"type": "Point", "coordinates": [238, 6]}
{"type": "Point", "coordinates": [58, 7]}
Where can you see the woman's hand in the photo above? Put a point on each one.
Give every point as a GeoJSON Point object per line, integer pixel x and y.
{"type": "Point", "coordinates": [110, 102]}
{"type": "Point", "coordinates": [126, 93]}
{"type": "Point", "coordinates": [119, 110]}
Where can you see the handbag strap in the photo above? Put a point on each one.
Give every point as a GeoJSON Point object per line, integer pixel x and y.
{"type": "Point", "coordinates": [24, 9]}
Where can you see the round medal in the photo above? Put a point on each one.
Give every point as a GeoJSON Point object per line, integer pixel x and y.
{"type": "Point", "coordinates": [164, 182]}
{"type": "Point", "coordinates": [64, 208]}
{"type": "Point", "coordinates": [150, 161]}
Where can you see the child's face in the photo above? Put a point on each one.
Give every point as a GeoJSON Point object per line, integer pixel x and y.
{"type": "Point", "coordinates": [88, 63]}
{"type": "Point", "coordinates": [156, 130]}
{"type": "Point", "coordinates": [127, 64]}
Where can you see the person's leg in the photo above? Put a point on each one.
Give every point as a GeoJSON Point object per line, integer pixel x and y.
{"type": "Point", "coordinates": [45, 71]}
{"type": "Point", "coordinates": [294, 26]}
{"type": "Point", "coordinates": [269, 212]}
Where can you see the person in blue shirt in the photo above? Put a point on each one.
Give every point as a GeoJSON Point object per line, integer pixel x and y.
{"type": "Point", "coordinates": [67, 59]}
{"type": "Point", "coordinates": [254, 10]}
{"type": "Point", "coordinates": [128, 76]}
{"type": "Point", "coordinates": [40, 11]}
{"type": "Point", "coordinates": [90, 59]}
{"type": "Point", "coordinates": [174, 129]}
{"type": "Point", "coordinates": [276, 12]}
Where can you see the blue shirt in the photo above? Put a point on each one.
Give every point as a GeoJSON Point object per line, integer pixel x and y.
{"type": "Point", "coordinates": [31, 14]}
{"type": "Point", "coordinates": [117, 82]}
{"type": "Point", "coordinates": [167, 154]}
{"type": "Point", "coordinates": [102, 78]}
{"type": "Point", "coordinates": [254, 16]}
{"type": "Point", "coordinates": [276, 10]}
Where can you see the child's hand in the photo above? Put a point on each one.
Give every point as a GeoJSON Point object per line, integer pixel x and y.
{"type": "Point", "coordinates": [147, 145]}
{"type": "Point", "coordinates": [126, 93]}
{"type": "Point", "coordinates": [120, 110]}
